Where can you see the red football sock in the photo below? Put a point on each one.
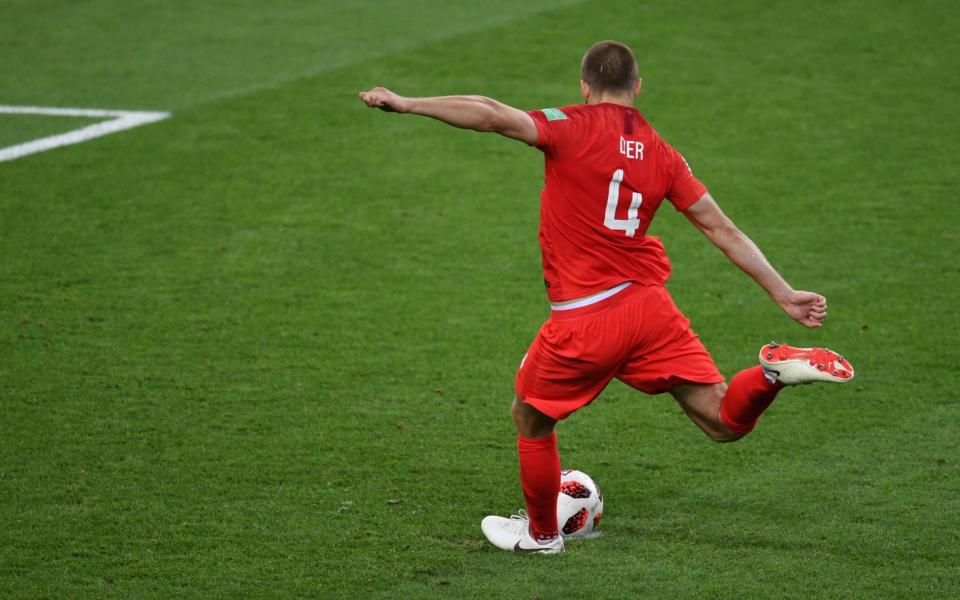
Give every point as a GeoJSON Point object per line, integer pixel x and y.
{"type": "Point", "coordinates": [748, 395]}
{"type": "Point", "coordinates": [540, 478]}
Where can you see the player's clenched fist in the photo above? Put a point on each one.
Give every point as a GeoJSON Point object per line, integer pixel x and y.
{"type": "Point", "coordinates": [809, 308]}
{"type": "Point", "coordinates": [384, 99]}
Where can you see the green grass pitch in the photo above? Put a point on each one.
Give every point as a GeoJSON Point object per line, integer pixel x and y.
{"type": "Point", "coordinates": [265, 348]}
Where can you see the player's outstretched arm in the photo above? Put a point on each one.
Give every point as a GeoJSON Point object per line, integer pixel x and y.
{"type": "Point", "coordinates": [808, 308]}
{"type": "Point", "coordinates": [478, 113]}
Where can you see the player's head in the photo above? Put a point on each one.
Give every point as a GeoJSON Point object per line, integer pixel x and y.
{"type": "Point", "coordinates": [609, 69]}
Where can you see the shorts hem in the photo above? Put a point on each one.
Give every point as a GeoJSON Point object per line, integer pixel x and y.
{"type": "Point", "coordinates": [666, 384]}
{"type": "Point", "coordinates": [551, 409]}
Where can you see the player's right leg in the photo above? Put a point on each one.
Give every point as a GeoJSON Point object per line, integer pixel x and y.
{"type": "Point", "coordinates": [752, 390]}
{"type": "Point", "coordinates": [671, 358]}
{"type": "Point", "coordinates": [728, 412]}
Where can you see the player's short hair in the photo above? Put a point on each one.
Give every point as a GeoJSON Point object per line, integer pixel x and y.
{"type": "Point", "coordinates": [609, 66]}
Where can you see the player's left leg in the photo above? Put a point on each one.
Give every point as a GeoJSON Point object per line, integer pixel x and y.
{"type": "Point", "coordinates": [539, 460]}
{"type": "Point", "coordinates": [539, 457]}
{"type": "Point", "coordinates": [574, 356]}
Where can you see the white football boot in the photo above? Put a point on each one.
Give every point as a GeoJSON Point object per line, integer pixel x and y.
{"type": "Point", "coordinates": [513, 534]}
{"type": "Point", "coordinates": [792, 366]}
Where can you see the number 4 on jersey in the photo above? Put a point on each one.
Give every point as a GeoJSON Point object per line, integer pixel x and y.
{"type": "Point", "coordinates": [610, 220]}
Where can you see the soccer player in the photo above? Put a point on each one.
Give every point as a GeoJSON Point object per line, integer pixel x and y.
{"type": "Point", "coordinates": [607, 172]}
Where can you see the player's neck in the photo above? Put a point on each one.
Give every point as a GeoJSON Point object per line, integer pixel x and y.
{"type": "Point", "coordinates": [620, 99]}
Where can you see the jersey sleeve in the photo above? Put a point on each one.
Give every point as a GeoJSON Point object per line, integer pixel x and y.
{"type": "Point", "coordinates": [553, 126]}
{"type": "Point", "coordinates": [685, 188]}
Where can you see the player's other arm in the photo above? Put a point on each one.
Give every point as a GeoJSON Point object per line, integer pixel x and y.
{"type": "Point", "coordinates": [478, 113]}
{"type": "Point", "coordinates": [808, 308]}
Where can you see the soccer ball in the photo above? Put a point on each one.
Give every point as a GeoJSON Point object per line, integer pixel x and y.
{"type": "Point", "coordinates": [579, 504]}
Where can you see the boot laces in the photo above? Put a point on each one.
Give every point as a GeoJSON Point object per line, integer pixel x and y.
{"type": "Point", "coordinates": [520, 522]}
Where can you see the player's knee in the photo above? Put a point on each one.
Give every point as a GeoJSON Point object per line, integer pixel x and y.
{"type": "Point", "coordinates": [522, 417]}
{"type": "Point", "coordinates": [723, 436]}
{"type": "Point", "coordinates": [515, 411]}
{"type": "Point", "coordinates": [530, 422]}
{"type": "Point", "coordinates": [718, 391]}
{"type": "Point", "coordinates": [717, 429]}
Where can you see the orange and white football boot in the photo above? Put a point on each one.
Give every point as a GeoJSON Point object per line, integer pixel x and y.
{"type": "Point", "coordinates": [793, 366]}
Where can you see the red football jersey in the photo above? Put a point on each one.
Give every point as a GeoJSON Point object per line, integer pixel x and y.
{"type": "Point", "coordinates": [606, 172]}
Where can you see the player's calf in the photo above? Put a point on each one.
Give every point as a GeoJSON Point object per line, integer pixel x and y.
{"type": "Point", "coordinates": [701, 403]}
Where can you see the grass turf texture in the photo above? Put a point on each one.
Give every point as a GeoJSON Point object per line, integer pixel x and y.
{"type": "Point", "coordinates": [266, 347]}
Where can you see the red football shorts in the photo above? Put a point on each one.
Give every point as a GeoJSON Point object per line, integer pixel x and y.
{"type": "Point", "coordinates": [638, 336]}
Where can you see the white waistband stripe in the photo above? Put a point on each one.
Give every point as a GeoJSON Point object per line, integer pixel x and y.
{"type": "Point", "coordinates": [592, 299]}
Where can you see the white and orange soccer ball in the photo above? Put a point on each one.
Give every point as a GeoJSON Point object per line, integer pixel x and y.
{"type": "Point", "coordinates": [579, 505]}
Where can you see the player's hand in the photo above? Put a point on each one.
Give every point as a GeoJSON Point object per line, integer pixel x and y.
{"type": "Point", "coordinates": [807, 308]}
{"type": "Point", "coordinates": [384, 99]}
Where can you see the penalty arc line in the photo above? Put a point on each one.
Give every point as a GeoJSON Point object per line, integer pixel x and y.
{"type": "Point", "coordinates": [120, 120]}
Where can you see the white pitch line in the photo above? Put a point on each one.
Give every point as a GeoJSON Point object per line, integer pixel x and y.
{"type": "Point", "coordinates": [119, 121]}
